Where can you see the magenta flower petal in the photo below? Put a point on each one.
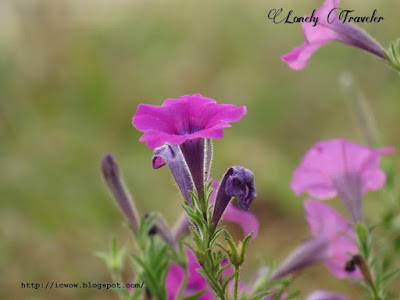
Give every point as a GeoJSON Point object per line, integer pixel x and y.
{"type": "Point", "coordinates": [195, 282]}
{"type": "Point", "coordinates": [333, 243]}
{"type": "Point", "coordinates": [188, 122]}
{"type": "Point", "coordinates": [194, 278]}
{"type": "Point", "coordinates": [325, 32]}
{"type": "Point", "coordinates": [323, 220]}
{"type": "Point", "coordinates": [174, 280]}
{"type": "Point", "coordinates": [324, 295]}
{"type": "Point", "coordinates": [188, 117]}
{"type": "Point", "coordinates": [341, 168]}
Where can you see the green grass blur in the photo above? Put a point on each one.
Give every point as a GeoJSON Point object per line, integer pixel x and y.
{"type": "Point", "coordinates": [72, 75]}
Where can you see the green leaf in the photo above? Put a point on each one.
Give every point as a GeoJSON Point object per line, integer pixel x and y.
{"type": "Point", "coordinates": [394, 53]}
{"type": "Point", "coordinates": [263, 295]}
{"type": "Point", "coordinates": [389, 277]}
{"type": "Point", "coordinates": [362, 236]}
{"type": "Point", "coordinates": [194, 296]}
{"type": "Point", "coordinates": [222, 270]}
{"type": "Point", "coordinates": [216, 236]}
{"type": "Point", "coordinates": [227, 280]}
{"type": "Point", "coordinates": [389, 59]}
{"type": "Point", "coordinates": [293, 295]}
{"type": "Point", "coordinates": [232, 245]}
{"type": "Point", "coordinates": [245, 244]}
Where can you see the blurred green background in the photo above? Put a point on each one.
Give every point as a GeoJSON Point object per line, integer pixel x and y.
{"type": "Point", "coordinates": [71, 76]}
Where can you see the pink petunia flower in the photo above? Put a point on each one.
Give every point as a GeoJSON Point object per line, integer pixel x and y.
{"type": "Point", "coordinates": [195, 282]}
{"type": "Point", "coordinates": [333, 243]}
{"type": "Point", "coordinates": [324, 295]}
{"type": "Point", "coordinates": [340, 168]}
{"type": "Point", "coordinates": [330, 27]}
{"type": "Point", "coordinates": [189, 122]}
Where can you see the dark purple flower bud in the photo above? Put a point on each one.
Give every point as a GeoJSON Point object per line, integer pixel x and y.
{"type": "Point", "coordinates": [173, 157]}
{"type": "Point", "coordinates": [116, 185]}
{"type": "Point", "coordinates": [237, 182]}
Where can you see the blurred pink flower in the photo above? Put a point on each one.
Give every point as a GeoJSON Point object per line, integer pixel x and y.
{"type": "Point", "coordinates": [330, 28]}
{"type": "Point", "coordinates": [195, 282]}
{"type": "Point", "coordinates": [333, 243]}
{"type": "Point", "coordinates": [324, 295]}
{"type": "Point", "coordinates": [340, 168]}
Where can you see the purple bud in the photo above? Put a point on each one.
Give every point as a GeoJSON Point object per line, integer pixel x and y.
{"type": "Point", "coordinates": [181, 226]}
{"type": "Point", "coordinates": [194, 153]}
{"type": "Point", "coordinates": [115, 183]}
{"type": "Point", "coordinates": [237, 182]}
{"type": "Point", "coordinates": [173, 157]}
{"type": "Point", "coordinates": [161, 228]}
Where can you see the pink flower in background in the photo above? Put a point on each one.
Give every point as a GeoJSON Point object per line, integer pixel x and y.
{"type": "Point", "coordinates": [333, 243]}
{"type": "Point", "coordinates": [185, 118]}
{"type": "Point", "coordinates": [324, 295]}
{"type": "Point", "coordinates": [340, 168]}
{"type": "Point", "coordinates": [330, 28]}
{"type": "Point", "coordinates": [189, 123]}
{"type": "Point", "coordinates": [195, 282]}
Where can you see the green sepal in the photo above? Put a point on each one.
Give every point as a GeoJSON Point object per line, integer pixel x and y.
{"type": "Point", "coordinates": [194, 296]}
{"type": "Point", "coordinates": [246, 242]}
{"type": "Point", "coordinates": [263, 295]}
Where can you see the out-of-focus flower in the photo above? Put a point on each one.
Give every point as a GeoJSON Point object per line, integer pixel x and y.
{"type": "Point", "coordinates": [333, 243]}
{"type": "Point", "coordinates": [190, 122]}
{"type": "Point", "coordinates": [341, 168]}
{"type": "Point", "coordinates": [324, 295]}
{"type": "Point", "coordinates": [195, 282]}
{"type": "Point", "coordinates": [245, 219]}
{"type": "Point", "coordinates": [330, 28]}
{"type": "Point", "coordinates": [237, 182]}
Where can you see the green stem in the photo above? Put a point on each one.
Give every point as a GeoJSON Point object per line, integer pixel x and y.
{"type": "Point", "coordinates": [116, 277]}
{"type": "Point", "coordinates": [236, 287]}
{"type": "Point", "coordinates": [185, 278]}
